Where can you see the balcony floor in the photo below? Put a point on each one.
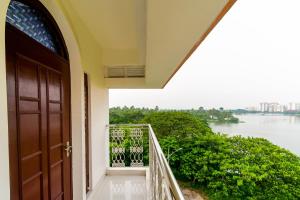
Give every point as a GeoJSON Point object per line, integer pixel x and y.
{"type": "Point", "coordinates": [122, 188]}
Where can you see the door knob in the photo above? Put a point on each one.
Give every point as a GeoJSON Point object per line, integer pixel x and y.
{"type": "Point", "coordinates": [68, 149]}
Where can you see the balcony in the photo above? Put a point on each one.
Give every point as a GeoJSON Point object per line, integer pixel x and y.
{"type": "Point", "coordinates": [138, 168]}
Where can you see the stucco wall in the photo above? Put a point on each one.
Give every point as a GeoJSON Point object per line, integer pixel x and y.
{"type": "Point", "coordinates": [92, 63]}
{"type": "Point", "coordinates": [82, 50]}
{"type": "Point", "coordinates": [4, 167]}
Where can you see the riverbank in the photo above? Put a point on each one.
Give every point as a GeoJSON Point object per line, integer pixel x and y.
{"type": "Point", "coordinates": [191, 193]}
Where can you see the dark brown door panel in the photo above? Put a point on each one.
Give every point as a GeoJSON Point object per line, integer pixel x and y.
{"type": "Point", "coordinates": [38, 85]}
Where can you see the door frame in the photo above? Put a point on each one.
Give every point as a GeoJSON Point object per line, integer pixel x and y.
{"type": "Point", "coordinates": [87, 131]}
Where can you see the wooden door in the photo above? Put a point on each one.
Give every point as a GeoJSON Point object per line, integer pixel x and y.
{"type": "Point", "coordinates": [38, 86]}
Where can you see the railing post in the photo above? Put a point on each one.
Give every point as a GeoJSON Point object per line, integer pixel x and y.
{"type": "Point", "coordinates": [107, 146]}
{"type": "Point", "coordinates": [151, 164]}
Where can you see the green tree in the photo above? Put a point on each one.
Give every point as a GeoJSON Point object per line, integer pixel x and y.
{"type": "Point", "coordinates": [226, 168]}
{"type": "Point", "coordinates": [174, 123]}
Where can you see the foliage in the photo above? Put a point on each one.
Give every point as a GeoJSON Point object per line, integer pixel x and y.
{"type": "Point", "coordinates": [175, 123]}
{"type": "Point", "coordinates": [131, 115]}
{"type": "Point", "coordinates": [225, 167]}
{"type": "Point", "coordinates": [240, 168]}
{"type": "Point", "coordinates": [214, 115]}
{"type": "Point", "coordinates": [126, 115]}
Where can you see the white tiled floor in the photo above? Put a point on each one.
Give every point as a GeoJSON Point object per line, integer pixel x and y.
{"type": "Point", "coordinates": [122, 188]}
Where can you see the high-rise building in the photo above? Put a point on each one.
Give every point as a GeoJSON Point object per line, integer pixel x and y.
{"type": "Point", "coordinates": [292, 107]}
{"type": "Point", "coordinates": [272, 107]}
{"type": "Point", "coordinates": [264, 107]}
{"type": "Point", "coordinates": [282, 108]}
{"type": "Point", "coordinates": [297, 106]}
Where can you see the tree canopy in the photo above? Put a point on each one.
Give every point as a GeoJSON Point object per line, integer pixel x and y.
{"type": "Point", "coordinates": [222, 166]}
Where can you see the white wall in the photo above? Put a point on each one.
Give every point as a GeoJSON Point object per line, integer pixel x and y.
{"type": "Point", "coordinates": [80, 51]}
{"type": "Point", "coordinates": [99, 120]}
{"type": "Point", "coordinates": [4, 156]}
{"type": "Point", "coordinates": [92, 63]}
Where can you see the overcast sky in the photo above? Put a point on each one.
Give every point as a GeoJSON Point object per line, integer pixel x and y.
{"type": "Point", "coordinates": [253, 55]}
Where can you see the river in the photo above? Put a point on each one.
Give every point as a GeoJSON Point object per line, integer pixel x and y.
{"type": "Point", "coordinates": [283, 130]}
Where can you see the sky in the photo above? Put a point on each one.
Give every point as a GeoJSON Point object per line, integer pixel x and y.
{"type": "Point", "coordinates": [251, 56]}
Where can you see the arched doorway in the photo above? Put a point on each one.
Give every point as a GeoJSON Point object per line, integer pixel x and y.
{"type": "Point", "coordinates": [38, 87]}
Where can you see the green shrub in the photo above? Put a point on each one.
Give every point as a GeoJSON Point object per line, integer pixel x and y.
{"type": "Point", "coordinates": [238, 168]}
{"type": "Point", "coordinates": [233, 168]}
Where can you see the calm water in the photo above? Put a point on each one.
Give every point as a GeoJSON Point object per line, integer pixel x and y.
{"type": "Point", "coordinates": [282, 130]}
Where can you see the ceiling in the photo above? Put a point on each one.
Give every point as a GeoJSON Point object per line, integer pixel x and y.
{"type": "Point", "coordinates": [158, 35]}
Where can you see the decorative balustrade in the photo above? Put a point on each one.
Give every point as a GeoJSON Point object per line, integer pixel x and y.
{"type": "Point", "coordinates": [137, 146]}
{"type": "Point", "coordinates": [129, 145]}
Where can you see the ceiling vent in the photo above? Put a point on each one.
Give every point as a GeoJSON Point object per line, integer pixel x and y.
{"type": "Point", "coordinates": [129, 71]}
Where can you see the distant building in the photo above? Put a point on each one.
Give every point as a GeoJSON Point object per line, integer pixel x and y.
{"type": "Point", "coordinates": [297, 106]}
{"type": "Point", "coordinates": [283, 108]}
{"type": "Point", "coordinates": [294, 106]}
{"type": "Point", "coordinates": [264, 107]}
{"type": "Point", "coordinates": [272, 107]}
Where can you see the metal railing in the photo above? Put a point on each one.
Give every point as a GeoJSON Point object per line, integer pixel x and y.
{"type": "Point", "coordinates": [135, 145]}
{"type": "Point", "coordinates": [129, 146]}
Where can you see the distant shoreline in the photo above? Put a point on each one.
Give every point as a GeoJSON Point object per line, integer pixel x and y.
{"type": "Point", "coordinates": [265, 113]}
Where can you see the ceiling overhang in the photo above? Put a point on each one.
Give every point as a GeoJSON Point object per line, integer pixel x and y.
{"type": "Point", "coordinates": [157, 35]}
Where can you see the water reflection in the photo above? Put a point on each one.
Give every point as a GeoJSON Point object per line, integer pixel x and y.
{"type": "Point", "coordinates": [283, 130]}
